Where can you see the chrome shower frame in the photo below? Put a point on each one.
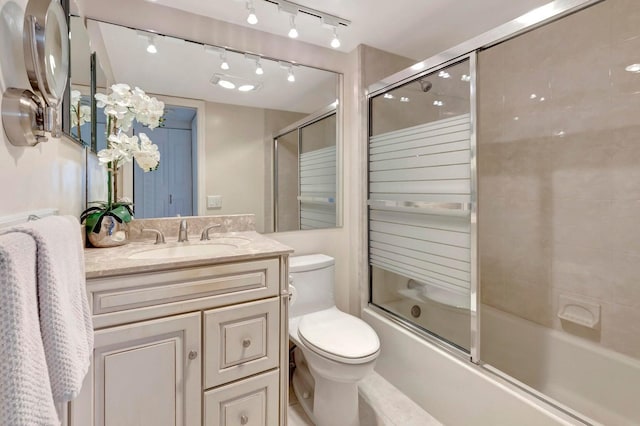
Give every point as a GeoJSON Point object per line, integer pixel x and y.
{"type": "Point", "coordinates": [468, 50]}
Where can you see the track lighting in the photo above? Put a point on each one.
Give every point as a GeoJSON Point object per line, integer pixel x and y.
{"type": "Point", "coordinates": [293, 32]}
{"type": "Point", "coordinates": [335, 42]}
{"type": "Point", "coordinates": [222, 53]}
{"type": "Point", "coordinates": [150, 39]}
{"type": "Point", "coordinates": [223, 60]}
{"type": "Point", "coordinates": [151, 48]}
{"type": "Point", "coordinates": [290, 77]}
{"type": "Point", "coordinates": [293, 9]}
{"type": "Point", "coordinates": [255, 59]}
{"type": "Point", "coordinates": [252, 18]}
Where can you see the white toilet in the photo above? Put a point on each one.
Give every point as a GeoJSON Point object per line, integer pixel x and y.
{"type": "Point", "coordinates": [334, 350]}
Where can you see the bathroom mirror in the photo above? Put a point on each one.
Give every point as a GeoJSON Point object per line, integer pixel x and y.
{"type": "Point", "coordinates": [224, 113]}
{"type": "Point", "coordinates": [78, 107]}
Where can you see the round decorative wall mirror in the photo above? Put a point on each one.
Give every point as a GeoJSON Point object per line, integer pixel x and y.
{"type": "Point", "coordinates": [46, 48]}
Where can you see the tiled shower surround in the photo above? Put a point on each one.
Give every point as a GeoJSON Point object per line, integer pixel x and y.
{"type": "Point", "coordinates": [559, 172]}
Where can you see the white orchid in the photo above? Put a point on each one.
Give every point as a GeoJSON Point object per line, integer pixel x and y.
{"type": "Point", "coordinates": [123, 149]}
{"type": "Point", "coordinates": [148, 156]}
{"type": "Point", "coordinates": [122, 106]}
{"type": "Point", "coordinates": [126, 105]}
{"type": "Point", "coordinates": [80, 114]}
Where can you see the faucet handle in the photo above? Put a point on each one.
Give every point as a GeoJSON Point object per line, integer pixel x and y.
{"type": "Point", "coordinates": [159, 235]}
{"type": "Point", "coordinates": [205, 233]}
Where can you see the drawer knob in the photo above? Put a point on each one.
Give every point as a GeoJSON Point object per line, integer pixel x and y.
{"type": "Point", "coordinates": [244, 419]}
{"type": "Point", "coordinates": [193, 355]}
{"type": "Point", "coordinates": [245, 344]}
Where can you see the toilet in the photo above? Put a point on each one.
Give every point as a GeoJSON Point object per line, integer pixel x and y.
{"type": "Point", "coordinates": [334, 350]}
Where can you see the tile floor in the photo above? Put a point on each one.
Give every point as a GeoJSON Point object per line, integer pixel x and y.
{"type": "Point", "coordinates": [381, 404]}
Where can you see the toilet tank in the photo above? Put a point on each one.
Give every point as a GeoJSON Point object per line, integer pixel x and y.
{"type": "Point", "coordinates": [312, 276]}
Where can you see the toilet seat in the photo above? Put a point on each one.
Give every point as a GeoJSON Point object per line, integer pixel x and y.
{"type": "Point", "coordinates": [339, 336]}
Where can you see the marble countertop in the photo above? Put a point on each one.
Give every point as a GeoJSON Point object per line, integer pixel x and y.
{"type": "Point", "coordinates": [248, 245]}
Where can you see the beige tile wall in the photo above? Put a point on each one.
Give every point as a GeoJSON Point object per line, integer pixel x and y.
{"type": "Point", "coordinates": [559, 172]}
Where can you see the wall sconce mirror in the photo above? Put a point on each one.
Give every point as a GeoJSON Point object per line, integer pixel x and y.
{"type": "Point", "coordinates": [28, 116]}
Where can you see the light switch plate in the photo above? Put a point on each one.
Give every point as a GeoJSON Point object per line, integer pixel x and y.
{"type": "Point", "coordinates": [214, 201]}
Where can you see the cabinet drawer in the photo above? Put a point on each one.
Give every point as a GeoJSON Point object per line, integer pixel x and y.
{"type": "Point", "coordinates": [175, 291]}
{"type": "Point", "coordinates": [241, 340]}
{"type": "Point", "coordinates": [250, 402]}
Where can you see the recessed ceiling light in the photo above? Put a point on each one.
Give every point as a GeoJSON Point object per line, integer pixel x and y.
{"type": "Point", "coordinates": [404, 99]}
{"type": "Point", "coordinates": [633, 68]}
{"type": "Point", "coordinates": [226, 84]}
{"type": "Point", "coordinates": [444, 74]}
{"type": "Point", "coordinates": [388, 96]}
{"type": "Point", "coordinates": [246, 87]}
{"type": "Point", "coordinates": [438, 103]}
{"type": "Point", "coordinates": [466, 78]}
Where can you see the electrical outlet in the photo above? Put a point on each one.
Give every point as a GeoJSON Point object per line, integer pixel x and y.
{"type": "Point", "coordinates": [214, 201]}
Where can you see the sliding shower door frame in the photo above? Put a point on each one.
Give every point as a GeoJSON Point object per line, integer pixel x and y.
{"type": "Point", "coordinates": [297, 127]}
{"type": "Point", "coordinates": [474, 345]}
{"type": "Point", "coordinates": [467, 50]}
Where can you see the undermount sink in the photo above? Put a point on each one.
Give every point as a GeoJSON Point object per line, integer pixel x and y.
{"type": "Point", "coordinates": [212, 249]}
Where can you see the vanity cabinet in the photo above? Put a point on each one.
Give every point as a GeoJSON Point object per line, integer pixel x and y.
{"type": "Point", "coordinates": [191, 346]}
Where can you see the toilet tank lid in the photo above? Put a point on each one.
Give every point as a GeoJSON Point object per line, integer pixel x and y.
{"type": "Point", "coordinates": [309, 262]}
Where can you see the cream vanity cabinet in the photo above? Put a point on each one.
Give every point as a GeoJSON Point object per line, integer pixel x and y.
{"type": "Point", "coordinates": [199, 345]}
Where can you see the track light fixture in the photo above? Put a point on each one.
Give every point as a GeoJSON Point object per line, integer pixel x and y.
{"type": "Point", "coordinates": [256, 60]}
{"type": "Point", "coordinates": [151, 47]}
{"type": "Point", "coordinates": [223, 60]}
{"type": "Point", "coordinates": [150, 39]}
{"type": "Point", "coordinates": [222, 54]}
{"type": "Point", "coordinates": [252, 18]}
{"type": "Point", "coordinates": [293, 9]}
{"type": "Point", "coordinates": [335, 42]}
{"type": "Point", "coordinates": [293, 32]}
{"type": "Point", "coordinates": [290, 76]}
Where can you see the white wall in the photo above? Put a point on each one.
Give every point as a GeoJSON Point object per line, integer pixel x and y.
{"type": "Point", "coordinates": [50, 175]}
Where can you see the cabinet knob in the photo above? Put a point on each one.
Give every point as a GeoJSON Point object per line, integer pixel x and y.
{"type": "Point", "coordinates": [246, 343]}
{"type": "Point", "coordinates": [193, 354]}
{"type": "Point", "coordinates": [244, 419]}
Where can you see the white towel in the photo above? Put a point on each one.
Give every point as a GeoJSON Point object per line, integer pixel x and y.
{"type": "Point", "coordinates": [65, 319]}
{"type": "Point", "coordinates": [25, 390]}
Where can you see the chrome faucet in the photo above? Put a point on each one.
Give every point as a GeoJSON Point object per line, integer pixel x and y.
{"type": "Point", "coordinates": [205, 233]}
{"type": "Point", "coordinates": [182, 232]}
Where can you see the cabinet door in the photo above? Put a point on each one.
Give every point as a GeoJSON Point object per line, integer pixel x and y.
{"type": "Point", "coordinates": [248, 402]}
{"type": "Point", "coordinates": [144, 374]}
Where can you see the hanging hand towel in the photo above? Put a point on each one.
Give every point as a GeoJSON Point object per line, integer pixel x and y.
{"type": "Point", "coordinates": [65, 319]}
{"type": "Point", "coordinates": [25, 390]}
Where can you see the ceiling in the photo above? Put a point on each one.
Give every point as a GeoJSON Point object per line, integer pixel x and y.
{"type": "Point", "coordinates": [415, 29]}
{"type": "Point", "coordinates": [185, 69]}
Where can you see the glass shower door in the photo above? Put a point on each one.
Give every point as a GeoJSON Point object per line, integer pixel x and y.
{"type": "Point", "coordinates": [421, 197]}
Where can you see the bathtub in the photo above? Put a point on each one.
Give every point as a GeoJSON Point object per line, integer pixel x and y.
{"type": "Point", "coordinates": [599, 385]}
{"type": "Point", "coordinates": [596, 382]}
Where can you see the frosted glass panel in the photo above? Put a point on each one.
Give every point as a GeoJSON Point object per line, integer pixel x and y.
{"type": "Point", "coordinates": [419, 160]}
